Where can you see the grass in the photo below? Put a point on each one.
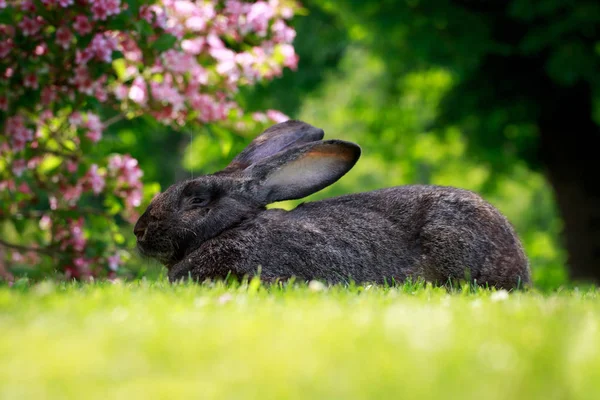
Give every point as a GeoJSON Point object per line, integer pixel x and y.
{"type": "Point", "coordinates": [154, 340]}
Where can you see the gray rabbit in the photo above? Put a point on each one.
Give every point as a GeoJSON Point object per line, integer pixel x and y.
{"type": "Point", "coordinates": [217, 225]}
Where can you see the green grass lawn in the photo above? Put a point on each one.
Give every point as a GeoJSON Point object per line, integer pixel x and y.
{"type": "Point", "coordinates": [153, 340]}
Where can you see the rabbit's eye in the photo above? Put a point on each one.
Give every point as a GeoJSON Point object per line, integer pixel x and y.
{"type": "Point", "coordinates": [199, 201]}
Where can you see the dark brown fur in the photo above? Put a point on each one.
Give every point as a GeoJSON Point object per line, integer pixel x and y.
{"type": "Point", "coordinates": [217, 224]}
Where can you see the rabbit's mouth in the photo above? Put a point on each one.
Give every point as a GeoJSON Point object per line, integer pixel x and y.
{"type": "Point", "coordinates": [165, 257]}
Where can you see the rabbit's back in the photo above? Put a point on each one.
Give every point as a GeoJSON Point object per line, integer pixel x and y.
{"type": "Point", "coordinates": [432, 232]}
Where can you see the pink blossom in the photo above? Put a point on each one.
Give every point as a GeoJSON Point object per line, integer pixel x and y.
{"type": "Point", "coordinates": [19, 133]}
{"type": "Point", "coordinates": [195, 24]}
{"type": "Point", "coordinates": [62, 3]}
{"type": "Point", "coordinates": [101, 9]}
{"type": "Point", "coordinates": [94, 136]}
{"type": "Point", "coordinates": [193, 46]}
{"type": "Point", "coordinates": [166, 93]}
{"type": "Point", "coordinates": [146, 13]}
{"type": "Point", "coordinates": [102, 46]}
{"type": "Point", "coordinates": [214, 42]}
{"type": "Point", "coordinates": [128, 175]}
{"type": "Point", "coordinates": [185, 8]}
{"type": "Point", "coordinates": [126, 168]}
{"type": "Point", "coordinates": [95, 179]}
{"type": "Point", "coordinates": [71, 166]}
{"type": "Point", "coordinates": [18, 167]}
{"type": "Point", "coordinates": [6, 46]}
{"type": "Point", "coordinates": [131, 50]}
{"type": "Point", "coordinates": [83, 56]}
{"type": "Point", "coordinates": [7, 185]}
{"type": "Point", "coordinates": [209, 109]}
{"type": "Point", "coordinates": [31, 26]}
{"type": "Point", "coordinates": [94, 126]}
{"type": "Point", "coordinates": [24, 188]}
{"type": "Point", "coordinates": [131, 171]}
{"type": "Point", "coordinates": [45, 115]}
{"type": "Point", "coordinates": [258, 17]}
{"type": "Point", "coordinates": [8, 73]}
{"type": "Point", "coordinates": [100, 93]}
{"type": "Point", "coordinates": [41, 49]}
{"type": "Point", "coordinates": [75, 118]}
{"type": "Point", "coordinates": [236, 7]}
{"type": "Point", "coordinates": [134, 199]}
{"type": "Point", "coordinates": [282, 33]}
{"type": "Point", "coordinates": [82, 80]}
{"type": "Point", "coordinates": [27, 5]}
{"type": "Point", "coordinates": [48, 95]}
{"type": "Point", "coordinates": [71, 194]}
{"type": "Point", "coordinates": [138, 92]}
{"type": "Point", "coordinates": [45, 222]}
{"type": "Point", "coordinates": [259, 117]}
{"type": "Point", "coordinates": [33, 162]}
{"type": "Point", "coordinates": [199, 76]}
{"type": "Point", "coordinates": [2, 3]}
{"type": "Point", "coordinates": [30, 81]}
{"type": "Point", "coordinates": [178, 61]}
{"type": "Point", "coordinates": [81, 268]}
{"type": "Point", "coordinates": [53, 202]}
{"type": "Point", "coordinates": [277, 116]}
{"type": "Point", "coordinates": [82, 25]}
{"type": "Point", "coordinates": [93, 122]}
{"type": "Point", "coordinates": [286, 12]}
{"type": "Point", "coordinates": [7, 30]}
{"type": "Point", "coordinates": [225, 62]}
{"type": "Point", "coordinates": [121, 92]}
{"type": "Point", "coordinates": [64, 37]}
{"type": "Point", "coordinates": [290, 57]}
{"type": "Point", "coordinates": [114, 261]}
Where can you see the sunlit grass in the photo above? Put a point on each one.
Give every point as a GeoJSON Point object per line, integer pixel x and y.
{"type": "Point", "coordinates": [154, 340]}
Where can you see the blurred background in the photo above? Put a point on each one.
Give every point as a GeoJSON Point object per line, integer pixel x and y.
{"type": "Point", "coordinates": [499, 97]}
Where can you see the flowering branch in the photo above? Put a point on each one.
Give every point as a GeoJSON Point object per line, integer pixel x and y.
{"type": "Point", "coordinates": [65, 64]}
{"type": "Point", "coordinates": [26, 248]}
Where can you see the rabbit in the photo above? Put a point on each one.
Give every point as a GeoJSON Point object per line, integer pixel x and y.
{"type": "Point", "coordinates": [217, 225]}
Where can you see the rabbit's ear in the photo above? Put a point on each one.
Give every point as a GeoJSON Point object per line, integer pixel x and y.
{"type": "Point", "coordinates": [275, 139]}
{"type": "Point", "coordinates": [302, 170]}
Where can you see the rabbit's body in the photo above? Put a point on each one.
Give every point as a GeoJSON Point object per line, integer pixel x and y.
{"type": "Point", "coordinates": [459, 234]}
{"type": "Point", "coordinates": [417, 231]}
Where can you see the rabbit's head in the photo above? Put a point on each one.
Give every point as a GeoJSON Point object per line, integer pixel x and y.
{"type": "Point", "coordinates": [287, 161]}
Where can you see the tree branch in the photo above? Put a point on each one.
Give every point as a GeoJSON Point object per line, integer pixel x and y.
{"type": "Point", "coordinates": [113, 120]}
{"type": "Point", "coordinates": [19, 247]}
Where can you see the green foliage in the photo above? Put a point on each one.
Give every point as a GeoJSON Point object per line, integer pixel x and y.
{"type": "Point", "coordinates": [507, 58]}
{"type": "Point", "coordinates": [154, 340]}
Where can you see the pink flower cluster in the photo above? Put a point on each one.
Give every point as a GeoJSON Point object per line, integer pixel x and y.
{"type": "Point", "coordinates": [191, 90]}
{"type": "Point", "coordinates": [181, 61]}
{"type": "Point", "coordinates": [18, 133]}
{"type": "Point", "coordinates": [126, 172]}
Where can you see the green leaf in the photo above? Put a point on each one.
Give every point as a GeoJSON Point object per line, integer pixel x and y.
{"type": "Point", "coordinates": [164, 42]}
{"type": "Point", "coordinates": [119, 22]}
{"type": "Point", "coordinates": [144, 28]}
{"type": "Point", "coordinates": [49, 163]}
{"type": "Point", "coordinates": [119, 66]}
{"type": "Point", "coordinates": [7, 16]}
{"type": "Point", "coordinates": [134, 6]}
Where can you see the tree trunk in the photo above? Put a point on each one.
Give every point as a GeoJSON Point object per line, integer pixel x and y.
{"type": "Point", "coordinates": [569, 151]}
